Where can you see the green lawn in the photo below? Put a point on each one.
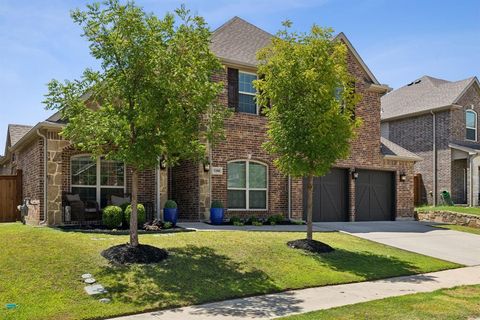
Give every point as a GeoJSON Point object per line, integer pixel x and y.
{"type": "Point", "coordinates": [468, 210]}
{"type": "Point", "coordinates": [40, 269]}
{"type": "Point", "coordinates": [452, 304]}
{"type": "Point", "coordinates": [459, 228]}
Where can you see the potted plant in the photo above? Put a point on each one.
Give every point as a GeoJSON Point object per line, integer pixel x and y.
{"type": "Point", "coordinates": [170, 212]}
{"type": "Point", "coordinates": [216, 212]}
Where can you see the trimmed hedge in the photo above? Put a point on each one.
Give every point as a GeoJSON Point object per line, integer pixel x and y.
{"type": "Point", "coordinates": [141, 216]}
{"type": "Point", "coordinates": [112, 217]}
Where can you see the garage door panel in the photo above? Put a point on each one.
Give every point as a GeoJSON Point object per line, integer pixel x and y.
{"type": "Point", "coordinates": [329, 196]}
{"type": "Point", "coordinates": [374, 196]}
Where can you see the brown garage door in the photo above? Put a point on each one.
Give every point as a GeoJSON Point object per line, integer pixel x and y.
{"type": "Point", "coordinates": [10, 197]}
{"type": "Point", "coordinates": [374, 196]}
{"type": "Point", "coordinates": [330, 202]}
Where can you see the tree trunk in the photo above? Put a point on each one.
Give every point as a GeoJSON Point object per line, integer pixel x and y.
{"type": "Point", "coordinates": [133, 216]}
{"type": "Point", "coordinates": [309, 207]}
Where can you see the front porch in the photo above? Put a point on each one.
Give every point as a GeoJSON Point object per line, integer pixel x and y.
{"type": "Point", "coordinates": [465, 174]}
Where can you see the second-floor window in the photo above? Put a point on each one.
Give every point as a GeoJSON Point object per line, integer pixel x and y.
{"type": "Point", "coordinates": [471, 125]}
{"type": "Point", "coordinates": [246, 93]}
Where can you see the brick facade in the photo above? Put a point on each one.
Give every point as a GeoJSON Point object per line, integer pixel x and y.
{"type": "Point", "coordinates": [415, 134]}
{"type": "Point", "coordinates": [245, 134]}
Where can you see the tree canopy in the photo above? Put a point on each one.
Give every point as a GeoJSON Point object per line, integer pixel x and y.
{"type": "Point", "coordinates": [153, 95]}
{"type": "Point", "coordinates": [311, 121]}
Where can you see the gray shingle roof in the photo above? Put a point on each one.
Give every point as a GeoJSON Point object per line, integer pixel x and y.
{"type": "Point", "coordinates": [423, 95]}
{"type": "Point", "coordinates": [390, 149]}
{"type": "Point", "coordinates": [16, 132]}
{"type": "Point", "coordinates": [238, 41]}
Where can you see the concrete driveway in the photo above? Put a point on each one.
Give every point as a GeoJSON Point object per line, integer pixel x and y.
{"type": "Point", "coordinates": [420, 237]}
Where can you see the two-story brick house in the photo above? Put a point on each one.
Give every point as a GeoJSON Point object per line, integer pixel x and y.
{"type": "Point", "coordinates": [437, 119]}
{"type": "Point", "coordinates": [374, 183]}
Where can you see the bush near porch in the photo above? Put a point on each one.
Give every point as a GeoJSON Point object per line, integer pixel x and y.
{"type": "Point", "coordinates": [40, 269]}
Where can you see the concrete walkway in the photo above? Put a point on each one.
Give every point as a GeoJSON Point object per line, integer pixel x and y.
{"type": "Point", "coordinates": [201, 226]}
{"type": "Point", "coordinates": [419, 237]}
{"type": "Point", "coordinates": [306, 300]}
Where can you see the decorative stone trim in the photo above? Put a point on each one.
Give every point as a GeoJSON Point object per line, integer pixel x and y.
{"type": "Point", "coordinates": [461, 219]}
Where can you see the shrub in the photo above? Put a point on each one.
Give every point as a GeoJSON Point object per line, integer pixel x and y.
{"type": "Point", "coordinates": [275, 219]}
{"type": "Point", "coordinates": [124, 206]}
{"type": "Point", "coordinates": [235, 219]}
{"type": "Point", "coordinates": [141, 217]}
{"type": "Point", "coordinates": [112, 216]}
{"type": "Point", "coordinates": [217, 204]}
{"type": "Point", "coordinates": [299, 222]}
{"type": "Point", "coordinates": [257, 223]}
{"type": "Point", "coordinates": [238, 223]}
{"type": "Point", "coordinates": [252, 220]}
{"type": "Point", "coordinates": [167, 225]}
{"type": "Point", "coordinates": [170, 204]}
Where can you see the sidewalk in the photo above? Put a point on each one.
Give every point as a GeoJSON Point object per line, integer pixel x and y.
{"type": "Point", "coordinates": [306, 300]}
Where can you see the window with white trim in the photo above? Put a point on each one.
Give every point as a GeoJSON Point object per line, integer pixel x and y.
{"type": "Point", "coordinates": [246, 93]}
{"type": "Point", "coordinates": [247, 185]}
{"type": "Point", "coordinates": [97, 179]}
{"type": "Point", "coordinates": [471, 125]}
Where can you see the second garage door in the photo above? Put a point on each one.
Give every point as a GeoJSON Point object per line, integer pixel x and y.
{"type": "Point", "coordinates": [374, 196]}
{"type": "Point", "coordinates": [330, 200]}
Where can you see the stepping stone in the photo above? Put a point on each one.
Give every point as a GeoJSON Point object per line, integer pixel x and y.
{"type": "Point", "coordinates": [104, 300]}
{"type": "Point", "coordinates": [90, 280]}
{"type": "Point", "coordinates": [86, 276]}
{"type": "Point", "coordinates": [95, 289]}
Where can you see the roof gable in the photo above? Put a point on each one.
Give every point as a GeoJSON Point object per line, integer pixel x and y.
{"type": "Point", "coordinates": [423, 95]}
{"type": "Point", "coordinates": [237, 41]}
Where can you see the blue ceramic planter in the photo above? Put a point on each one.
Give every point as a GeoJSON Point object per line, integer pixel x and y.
{"type": "Point", "coordinates": [170, 215]}
{"type": "Point", "coordinates": [216, 215]}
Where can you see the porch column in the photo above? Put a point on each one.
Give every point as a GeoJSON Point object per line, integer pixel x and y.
{"type": "Point", "coordinates": [475, 179]}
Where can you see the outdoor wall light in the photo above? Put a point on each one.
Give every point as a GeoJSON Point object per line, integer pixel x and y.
{"type": "Point", "coordinates": [354, 174]}
{"type": "Point", "coordinates": [163, 163]}
{"type": "Point", "coordinates": [206, 165]}
{"type": "Point", "coordinates": [403, 177]}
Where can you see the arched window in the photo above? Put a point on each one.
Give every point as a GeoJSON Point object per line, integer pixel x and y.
{"type": "Point", "coordinates": [97, 180]}
{"type": "Point", "coordinates": [247, 185]}
{"type": "Point", "coordinates": [471, 125]}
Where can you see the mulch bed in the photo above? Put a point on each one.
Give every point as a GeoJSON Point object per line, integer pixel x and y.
{"type": "Point", "coordinates": [310, 245]}
{"type": "Point", "coordinates": [127, 254]}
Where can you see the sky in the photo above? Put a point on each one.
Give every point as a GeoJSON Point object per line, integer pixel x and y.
{"type": "Point", "coordinates": [399, 40]}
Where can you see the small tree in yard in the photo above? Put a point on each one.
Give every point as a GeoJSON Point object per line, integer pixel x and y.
{"type": "Point", "coordinates": [311, 120]}
{"type": "Point", "coordinates": [153, 95]}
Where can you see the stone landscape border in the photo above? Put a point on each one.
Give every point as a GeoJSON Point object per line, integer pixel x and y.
{"type": "Point", "coordinates": [449, 217]}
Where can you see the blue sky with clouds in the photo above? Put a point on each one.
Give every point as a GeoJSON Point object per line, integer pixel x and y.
{"type": "Point", "coordinates": [400, 40]}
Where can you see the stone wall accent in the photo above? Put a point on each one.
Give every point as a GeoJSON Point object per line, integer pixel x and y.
{"type": "Point", "coordinates": [55, 147]}
{"type": "Point", "coordinates": [449, 217]}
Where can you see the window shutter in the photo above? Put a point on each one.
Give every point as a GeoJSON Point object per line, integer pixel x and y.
{"type": "Point", "coordinates": [232, 78]}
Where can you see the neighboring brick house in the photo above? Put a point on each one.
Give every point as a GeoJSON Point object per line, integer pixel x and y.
{"type": "Point", "coordinates": [374, 183]}
{"type": "Point", "coordinates": [437, 119]}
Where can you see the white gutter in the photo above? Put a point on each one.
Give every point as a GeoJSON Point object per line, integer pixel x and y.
{"type": "Point", "coordinates": [45, 184]}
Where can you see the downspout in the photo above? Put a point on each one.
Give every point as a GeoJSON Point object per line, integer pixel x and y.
{"type": "Point", "coordinates": [434, 158]}
{"type": "Point", "coordinates": [45, 184]}
{"type": "Point", "coordinates": [157, 184]}
{"type": "Point", "coordinates": [289, 197]}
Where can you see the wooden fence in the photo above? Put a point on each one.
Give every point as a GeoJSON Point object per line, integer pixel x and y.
{"type": "Point", "coordinates": [10, 197]}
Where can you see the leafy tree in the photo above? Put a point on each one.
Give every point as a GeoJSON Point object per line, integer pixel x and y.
{"type": "Point", "coordinates": [153, 95]}
{"type": "Point", "coordinates": [311, 119]}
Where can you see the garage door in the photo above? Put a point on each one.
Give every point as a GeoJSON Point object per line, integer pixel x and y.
{"type": "Point", "coordinates": [374, 196]}
{"type": "Point", "coordinates": [330, 202]}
